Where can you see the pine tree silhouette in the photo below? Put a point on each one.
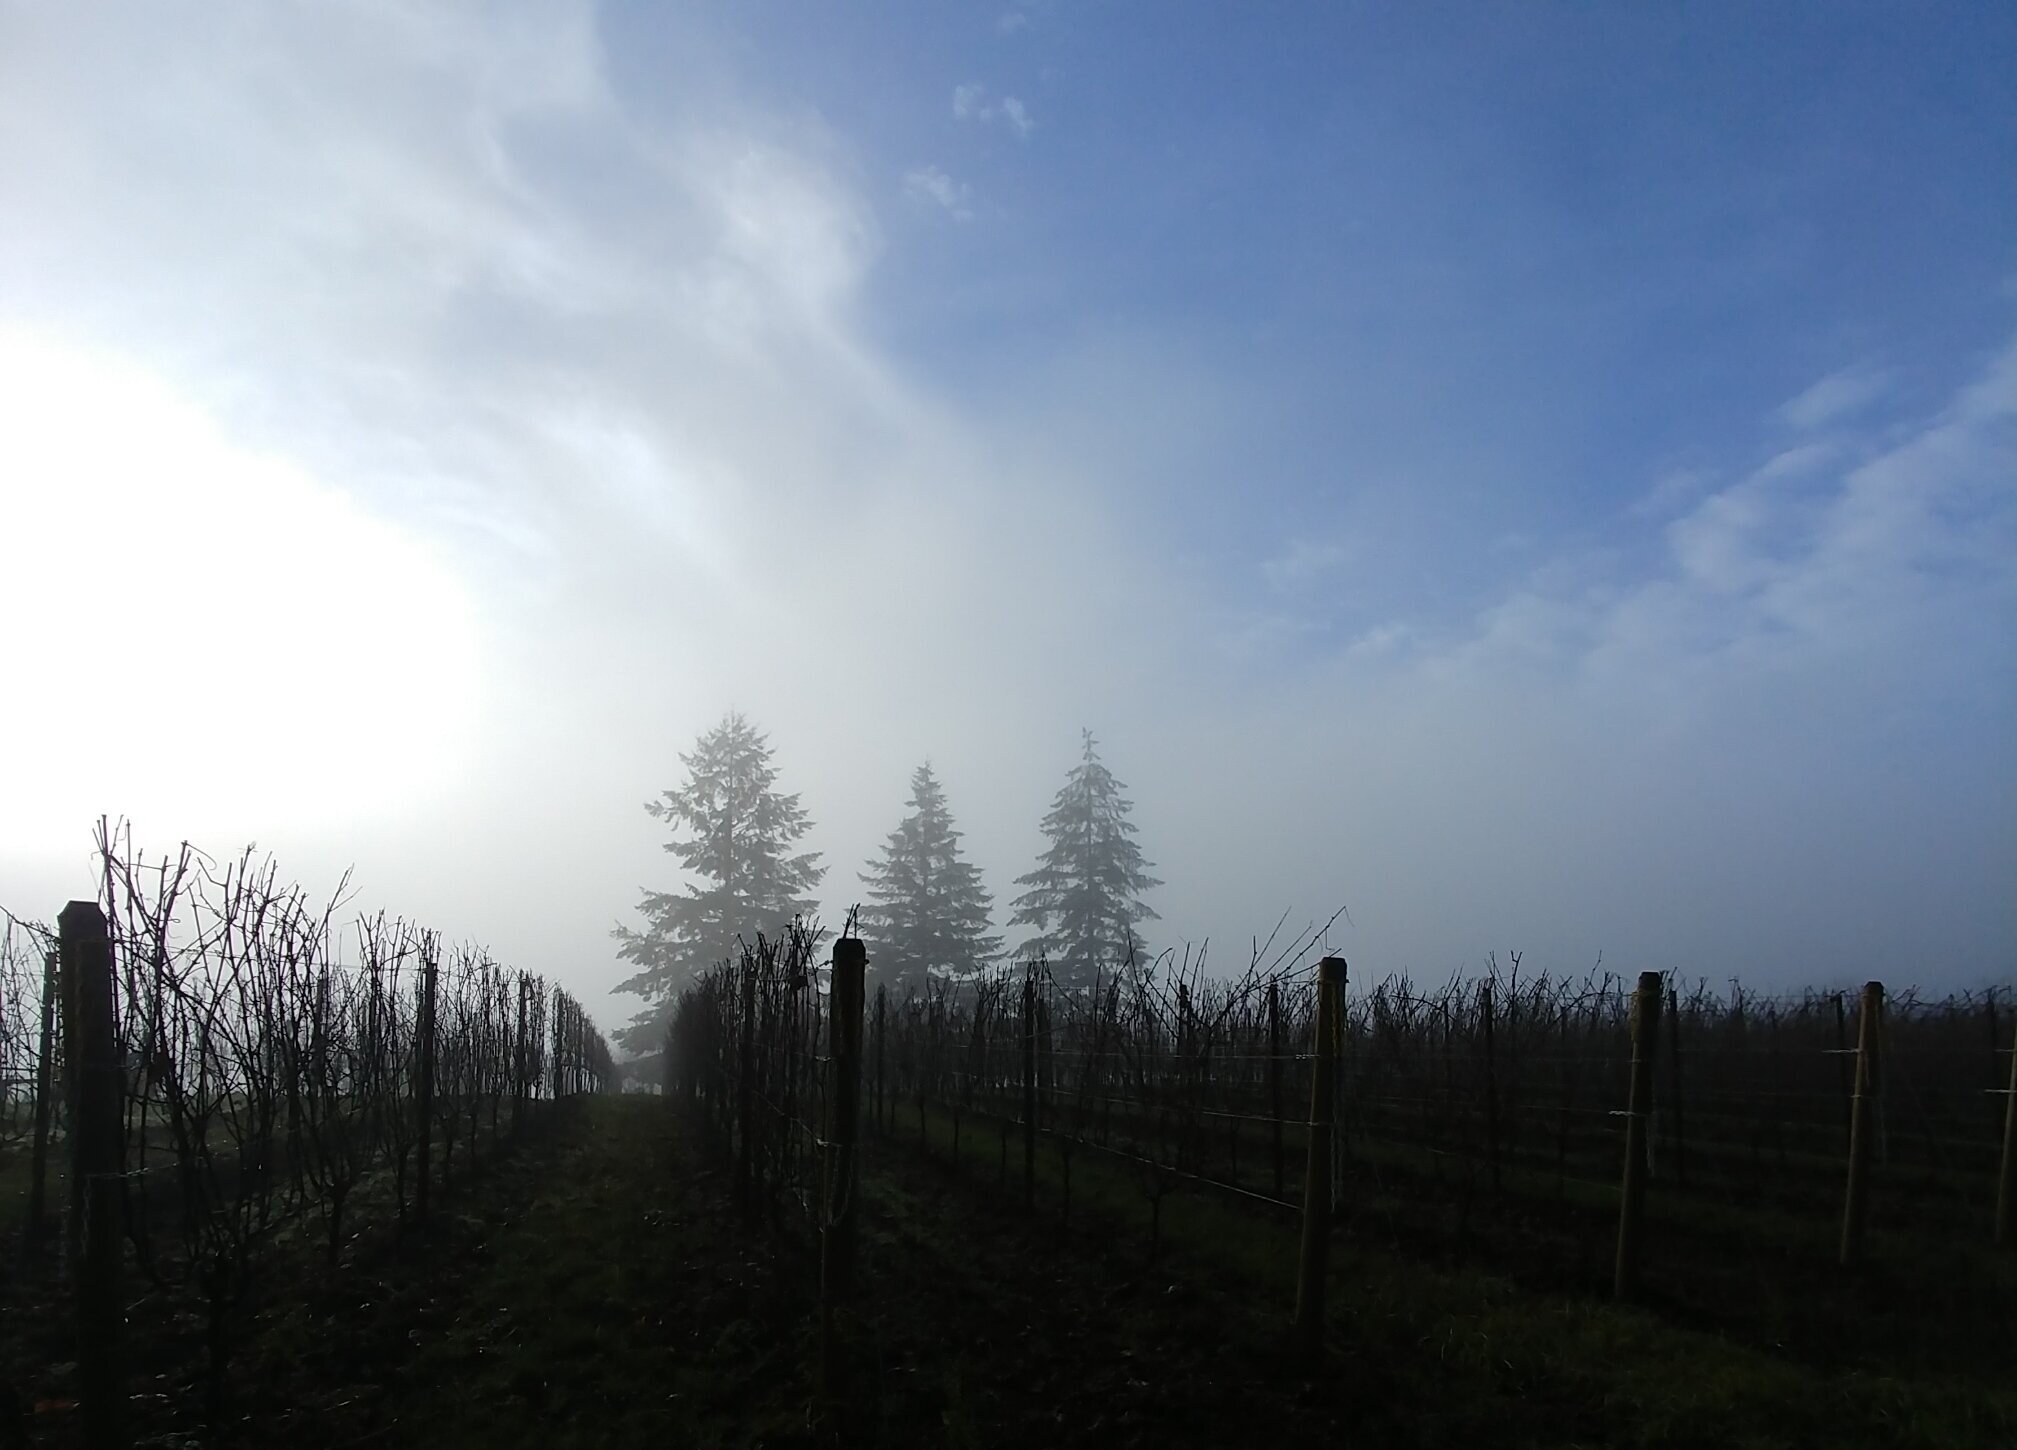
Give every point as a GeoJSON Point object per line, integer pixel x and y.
{"type": "Point", "coordinates": [741, 833]}
{"type": "Point", "coordinates": [1084, 897]}
{"type": "Point", "coordinates": [927, 910]}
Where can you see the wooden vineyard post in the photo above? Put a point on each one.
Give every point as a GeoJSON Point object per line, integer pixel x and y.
{"type": "Point", "coordinates": [1491, 1082]}
{"type": "Point", "coordinates": [1632, 1201]}
{"type": "Point", "coordinates": [2006, 1183]}
{"type": "Point", "coordinates": [1047, 1063]}
{"type": "Point", "coordinates": [520, 1055]}
{"type": "Point", "coordinates": [881, 1039]}
{"type": "Point", "coordinates": [837, 1232]}
{"type": "Point", "coordinates": [1674, 1072]}
{"type": "Point", "coordinates": [1315, 1261]}
{"type": "Point", "coordinates": [424, 1087]}
{"type": "Point", "coordinates": [1275, 1077]}
{"type": "Point", "coordinates": [1029, 1045]}
{"type": "Point", "coordinates": [556, 1047]}
{"type": "Point", "coordinates": [745, 1089]}
{"type": "Point", "coordinates": [1861, 1125]}
{"type": "Point", "coordinates": [45, 1087]}
{"type": "Point", "coordinates": [97, 1131]}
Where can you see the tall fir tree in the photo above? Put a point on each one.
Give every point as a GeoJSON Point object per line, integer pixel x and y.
{"type": "Point", "coordinates": [927, 909]}
{"type": "Point", "coordinates": [1084, 898]}
{"type": "Point", "coordinates": [734, 829]}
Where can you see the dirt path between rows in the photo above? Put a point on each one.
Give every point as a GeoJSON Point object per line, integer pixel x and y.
{"type": "Point", "coordinates": [598, 1290]}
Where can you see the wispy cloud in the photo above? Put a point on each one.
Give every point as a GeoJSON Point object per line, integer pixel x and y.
{"type": "Point", "coordinates": [1838, 396]}
{"type": "Point", "coordinates": [627, 417]}
{"type": "Point", "coordinates": [1835, 544]}
{"type": "Point", "coordinates": [972, 102]}
{"type": "Point", "coordinates": [1672, 491]}
{"type": "Point", "coordinates": [1302, 563]}
{"type": "Point", "coordinates": [929, 186]}
{"type": "Point", "coordinates": [613, 369]}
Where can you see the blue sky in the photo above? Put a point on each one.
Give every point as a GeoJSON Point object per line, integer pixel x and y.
{"type": "Point", "coordinates": [1544, 477]}
{"type": "Point", "coordinates": [1486, 274]}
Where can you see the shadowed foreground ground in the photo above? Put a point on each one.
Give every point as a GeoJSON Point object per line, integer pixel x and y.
{"type": "Point", "coordinates": [594, 1288]}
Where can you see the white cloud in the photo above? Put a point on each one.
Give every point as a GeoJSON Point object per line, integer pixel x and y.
{"type": "Point", "coordinates": [272, 633]}
{"type": "Point", "coordinates": [1780, 753]}
{"type": "Point", "coordinates": [1671, 491]}
{"type": "Point", "coordinates": [1836, 397]}
{"type": "Point", "coordinates": [1802, 459]}
{"type": "Point", "coordinates": [606, 372]}
{"type": "Point", "coordinates": [1794, 563]}
{"type": "Point", "coordinates": [1011, 21]}
{"type": "Point", "coordinates": [931, 186]}
{"type": "Point", "coordinates": [608, 368]}
{"type": "Point", "coordinates": [971, 102]}
{"type": "Point", "coordinates": [1302, 563]}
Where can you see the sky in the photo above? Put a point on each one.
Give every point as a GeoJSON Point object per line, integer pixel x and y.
{"type": "Point", "coordinates": [1538, 477]}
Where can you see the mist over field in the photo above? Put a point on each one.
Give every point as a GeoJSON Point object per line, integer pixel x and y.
{"type": "Point", "coordinates": [1537, 485]}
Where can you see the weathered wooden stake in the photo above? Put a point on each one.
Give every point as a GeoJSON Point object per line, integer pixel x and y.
{"type": "Point", "coordinates": [1275, 1077]}
{"type": "Point", "coordinates": [97, 1131]}
{"type": "Point", "coordinates": [1029, 1046]}
{"type": "Point", "coordinates": [2006, 1184]}
{"type": "Point", "coordinates": [1491, 1083]}
{"type": "Point", "coordinates": [1315, 1262]}
{"type": "Point", "coordinates": [1861, 1125]}
{"type": "Point", "coordinates": [745, 1091]}
{"type": "Point", "coordinates": [424, 1087]}
{"type": "Point", "coordinates": [881, 1042]}
{"type": "Point", "coordinates": [1632, 1201]}
{"type": "Point", "coordinates": [45, 1102]}
{"type": "Point", "coordinates": [1674, 1071]}
{"type": "Point", "coordinates": [521, 1056]}
{"type": "Point", "coordinates": [837, 1233]}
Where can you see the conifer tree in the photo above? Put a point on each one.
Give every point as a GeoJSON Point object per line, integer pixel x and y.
{"type": "Point", "coordinates": [1084, 898]}
{"type": "Point", "coordinates": [734, 829]}
{"type": "Point", "coordinates": [927, 910]}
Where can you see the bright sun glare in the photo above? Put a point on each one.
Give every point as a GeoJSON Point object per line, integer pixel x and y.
{"type": "Point", "coordinates": [201, 634]}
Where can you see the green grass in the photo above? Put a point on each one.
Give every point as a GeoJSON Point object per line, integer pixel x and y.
{"type": "Point", "coordinates": [593, 1287]}
{"type": "Point", "coordinates": [1458, 1350]}
{"type": "Point", "coordinates": [587, 1295]}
